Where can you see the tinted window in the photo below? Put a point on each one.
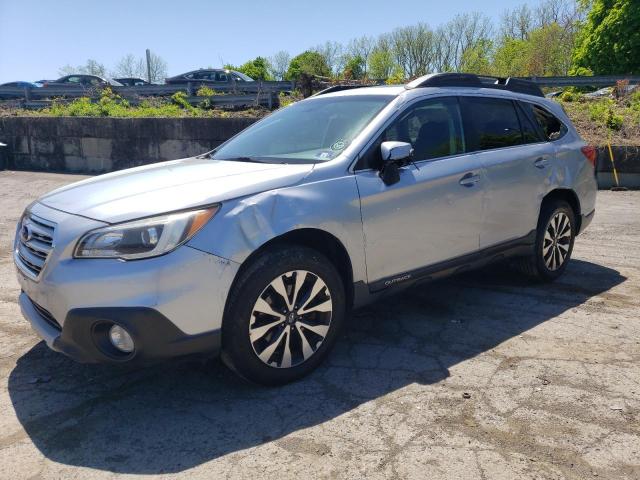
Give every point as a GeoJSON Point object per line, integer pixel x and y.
{"type": "Point", "coordinates": [552, 127]}
{"type": "Point", "coordinates": [530, 133]}
{"type": "Point", "coordinates": [221, 77]}
{"type": "Point", "coordinates": [204, 76]}
{"type": "Point", "coordinates": [433, 127]}
{"type": "Point", "coordinates": [489, 123]}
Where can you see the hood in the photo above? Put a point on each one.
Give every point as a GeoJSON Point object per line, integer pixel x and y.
{"type": "Point", "coordinates": [168, 186]}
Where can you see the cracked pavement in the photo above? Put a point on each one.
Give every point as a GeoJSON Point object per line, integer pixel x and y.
{"type": "Point", "coordinates": [482, 376]}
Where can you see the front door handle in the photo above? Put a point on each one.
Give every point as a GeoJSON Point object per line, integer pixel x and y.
{"type": "Point", "coordinates": [541, 162]}
{"type": "Point", "coordinates": [469, 180]}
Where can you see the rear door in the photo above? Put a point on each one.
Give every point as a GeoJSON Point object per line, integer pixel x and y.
{"type": "Point", "coordinates": [515, 158]}
{"type": "Point", "coordinates": [434, 213]}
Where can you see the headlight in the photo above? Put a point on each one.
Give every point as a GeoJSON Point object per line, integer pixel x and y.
{"type": "Point", "coordinates": [144, 238]}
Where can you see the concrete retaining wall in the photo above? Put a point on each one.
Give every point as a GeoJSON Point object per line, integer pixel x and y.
{"type": "Point", "coordinates": [627, 164]}
{"type": "Point", "coordinates": [97, 145]}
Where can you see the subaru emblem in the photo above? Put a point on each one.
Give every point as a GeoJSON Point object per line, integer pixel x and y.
{"type": "Point", "coordinates": [25, 232]}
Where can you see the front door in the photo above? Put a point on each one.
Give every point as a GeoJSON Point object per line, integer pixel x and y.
{"type": "Point", "coordinates": [434, 213]}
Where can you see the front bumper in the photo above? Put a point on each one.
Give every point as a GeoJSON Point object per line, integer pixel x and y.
{"type": "Point", "coordinates": [83, 335]}
{"type": "Point", "coordinates": [172, 304]}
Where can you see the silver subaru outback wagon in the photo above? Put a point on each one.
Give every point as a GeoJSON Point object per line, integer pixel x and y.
{"type": "Point", "coordinates": [258, 250]}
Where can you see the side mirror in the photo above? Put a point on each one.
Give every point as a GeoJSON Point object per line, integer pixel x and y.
{"type": "Point", "coordinates": [394, 154]}
{"type": "Point", "coordinates": [396, 151]}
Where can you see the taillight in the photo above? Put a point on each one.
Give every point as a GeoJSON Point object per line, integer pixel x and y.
{"type": "Point", "coordinates": [591, 153]}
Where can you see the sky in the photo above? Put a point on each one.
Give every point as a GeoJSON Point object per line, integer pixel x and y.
{"type": "Point", "coordinates": [39, 37]}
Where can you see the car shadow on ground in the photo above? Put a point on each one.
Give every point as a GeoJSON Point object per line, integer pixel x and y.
{"type": "Point", "coordinates": [178, 415]}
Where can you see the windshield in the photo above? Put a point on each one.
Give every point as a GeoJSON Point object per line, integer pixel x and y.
{"type": "Point", "coordinates": [243, 76]}
{"type": "Point", "coordinates": [311, 131]}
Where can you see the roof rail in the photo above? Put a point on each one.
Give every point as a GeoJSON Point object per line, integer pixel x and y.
{"type": "Point", "coordinates": [338, 88]}
{"type": "Point", "coordinates": [472, 80]}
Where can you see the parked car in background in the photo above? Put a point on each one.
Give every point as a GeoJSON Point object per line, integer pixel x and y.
{"type": "Point", "coordinates": [602, 92]}
{"type": "Point", "coordinates": [17, 94]}
{"type": "Point", "coordinates": [209, 76]}
{"type": "Point", "coordinates": [19, 84]}
{"type": "Point", "coordinates": [256, 250]}
{"type": "Point", "coordinates": [40, 83]}
{"type": "Point", "coordinates": [132, 81]}
{"type": "Point", "coordinates": [86, 81]}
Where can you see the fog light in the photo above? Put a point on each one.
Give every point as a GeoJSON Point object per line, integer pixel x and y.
{"type": "Point", "coordinates": [121, 339]}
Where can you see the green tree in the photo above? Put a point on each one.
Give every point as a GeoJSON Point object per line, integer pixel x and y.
{"type": "Point", "coordinates": [477, 59]}
{"type": "Point", "coordinates": [510, 58]}
{"type": "Point", "coordinates": [549, 51]}
{"type": "Point", "coordinates": [354, 68]}
{"type": "Point", "coordinates": [610, 40]}
{"type": "Point", "coordinates": [258, 69]}
{"type": "Point", "coordinates": [309, 62]}
{"type": "Point", "coordinates": [381, 64]}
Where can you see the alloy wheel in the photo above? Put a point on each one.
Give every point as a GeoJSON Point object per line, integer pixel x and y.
{"type": "Point", "coordinates": [290, 319]}
{"type": "Point", "coordinates": [557, 240]}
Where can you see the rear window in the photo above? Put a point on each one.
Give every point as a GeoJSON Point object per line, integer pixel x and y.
{"type": "Point", "coordinates": [490, 123]}
{"type": "Point", "coordinates": [552, 128]}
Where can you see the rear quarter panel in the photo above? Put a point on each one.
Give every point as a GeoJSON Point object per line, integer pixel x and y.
{"type": "Point", "coordinates": [573, 170]}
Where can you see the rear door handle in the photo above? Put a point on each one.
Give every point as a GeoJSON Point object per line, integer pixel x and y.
{"type": "Point", "coordinates": [469, 180]}
{"type": "Point", "coordinates": [541, 162]}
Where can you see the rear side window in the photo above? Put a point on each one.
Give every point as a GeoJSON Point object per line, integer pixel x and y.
{"type": "Point", "coordinates": [530, 132]}
{"type": "Point", "coordinates": [552, 128]}
{"type": "Point", "coordinates": [490, 123]}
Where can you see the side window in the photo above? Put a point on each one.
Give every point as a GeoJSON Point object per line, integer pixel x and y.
{"type": "Point", "coordinates": [550, 125]}
{"type": "Point", "coordinates": [530, 133]}
{"type": "Point", "coordinates": [221, 77]}
{"type": "Point", "coordinates": [490, 123]}
{"type": "Point", "coordinates": [433, 127]}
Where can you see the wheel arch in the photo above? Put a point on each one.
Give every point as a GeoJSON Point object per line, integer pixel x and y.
{"type": "Point", "coordinates": [320, 240]}
{"type": "Point", "coordinates": [568, 196]}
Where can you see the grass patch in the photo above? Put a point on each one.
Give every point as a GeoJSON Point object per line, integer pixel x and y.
{"type": "Point", "coordinates": [602, 120]}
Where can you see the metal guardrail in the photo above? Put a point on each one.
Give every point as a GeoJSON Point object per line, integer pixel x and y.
{"type": "Point", "coordinates": [594, 81]}
{"type": "Point", "coordinates": [73, 91]}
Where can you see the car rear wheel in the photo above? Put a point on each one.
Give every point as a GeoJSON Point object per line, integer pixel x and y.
{"type": "Point", "coordinates": [554, 242]}
{"type": "Point", "coordinates": [283, 315]}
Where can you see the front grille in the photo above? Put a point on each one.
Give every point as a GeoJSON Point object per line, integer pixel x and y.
{"type": "Point", "coordinates": [46, 315]}
{"type": "Point", "coordinates": [35, 242]}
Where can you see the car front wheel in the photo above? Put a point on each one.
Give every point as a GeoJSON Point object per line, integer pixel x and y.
{"type": "Point", "coordinates": [283, 315]}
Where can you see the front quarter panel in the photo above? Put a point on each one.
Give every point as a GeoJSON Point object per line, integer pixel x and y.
{"type": "Point", "coordinates": [244, 225]}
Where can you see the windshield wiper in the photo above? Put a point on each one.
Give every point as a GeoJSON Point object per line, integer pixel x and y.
{"type": "Point", "coordinates": [239, 159]}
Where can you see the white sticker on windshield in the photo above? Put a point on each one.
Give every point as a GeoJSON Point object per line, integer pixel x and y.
{"type": "Point", "coordinates": [339, 145]}
{"type": "Point", "coordinates": [324, 155]}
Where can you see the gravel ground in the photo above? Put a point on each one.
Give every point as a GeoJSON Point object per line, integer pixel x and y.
{"type": "Point", "coordinates": [482, 376]}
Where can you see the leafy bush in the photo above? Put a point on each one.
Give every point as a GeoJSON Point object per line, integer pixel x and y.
{"type": "Point", "coordinates": [396, 77]}
{"type": "Point", "coordinates": [180, 99]}
{"type": "Point", "coordinates": [205, 91]}
{"type": "Point", "coordinates": [613, 120]}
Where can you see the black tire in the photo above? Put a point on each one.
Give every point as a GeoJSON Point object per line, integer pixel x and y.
{"type": "Point", "coordinates": [536, 266]}
{"type": "Point", "coordinates": [239, 351]}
